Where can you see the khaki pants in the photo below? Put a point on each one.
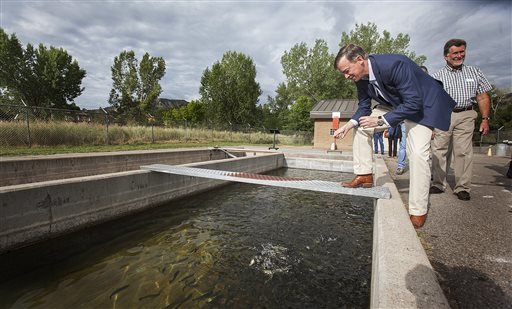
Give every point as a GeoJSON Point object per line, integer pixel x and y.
{"type": "Point", "coordinates": [418, 150]}
{"type": "Point", "coordinates": [461, 131]}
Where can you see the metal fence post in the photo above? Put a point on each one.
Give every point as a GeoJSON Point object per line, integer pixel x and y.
{"type": "Point", "coordinates": [230, 131]}
{"type": "Point", "coordinates": [152, 133]}
{"type": "Point", "coordinates": [186, 129]}
{"type": "Point", "coordinates": [28, 123]}
{"type": "Point", "coordinates": [210, 124]}
{"type": "Point", "coordinates": [107, 141]}
{"type": "Point", "coordinates": [28, 128]}
{"type": "Point", "coordinates": [498, 138]}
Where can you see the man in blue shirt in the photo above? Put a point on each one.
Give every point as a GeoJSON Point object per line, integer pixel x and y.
{"type": "Point", "coordinates": [401, 162]}
{"type": "Point", "coordinates": [378, 140]}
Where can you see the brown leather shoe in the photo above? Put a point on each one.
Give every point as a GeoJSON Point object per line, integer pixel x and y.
{"type": "Point", "coordinates": [418, 221]}
{"type": "Point", "coordinates": [365, 181]}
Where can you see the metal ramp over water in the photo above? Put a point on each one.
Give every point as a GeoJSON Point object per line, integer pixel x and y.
{"type": "Point", "coordinates": [268, 180]}
{"type": "Point", "coordinates": [235, 149]}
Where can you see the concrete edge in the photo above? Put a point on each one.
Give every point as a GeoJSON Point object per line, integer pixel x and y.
{"type": "Point", "coordinates": [402, 276]}
{"type": "Point", "coordinates": [319, 164]}
{"type": "Point", "coordinates": [24, 170]}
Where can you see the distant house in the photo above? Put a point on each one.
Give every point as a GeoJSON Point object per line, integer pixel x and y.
{"type": "Point", "coordinates": [322, 114]}
{"type": "Point", "coordinates": [163, 103]}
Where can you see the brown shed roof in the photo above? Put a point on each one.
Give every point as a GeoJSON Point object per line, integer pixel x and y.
{"type": "Point", "coordinates": [324, 108]}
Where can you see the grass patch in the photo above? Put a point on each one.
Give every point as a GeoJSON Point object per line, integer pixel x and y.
{"type": "Point", "coordinates": [43, 138]}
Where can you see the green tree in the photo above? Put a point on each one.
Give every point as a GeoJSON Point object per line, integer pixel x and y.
{"type": "Point", "coordinates": [501, 109]}
{"type": "Point", "coordinates": [134, 87]}
{"type": "Point", "coordinates": [505, 114]}
{"type": "Point", "coordinates": [230, 91]}
{"type": "Point", "coordinates": [275, 111]}
{"type": "Point", "coordinates": [309, 72]}
{"type": "Point", "coordinates": [194, 113]}
{"type": "Point", "coordinates": [12, 68]}
{"type": "Point", "coordinates": [268, 119]}
{"type": "Point", "coordinates": [152, 70]}
{"type": "Point", "coordinates": [125, 81]}
{"type": "Point", "coordinates": [368, 37]}
{"type": "Point", "coordinates": [298, 118]}
{"type": "Point", "coordinates": [46, 77]}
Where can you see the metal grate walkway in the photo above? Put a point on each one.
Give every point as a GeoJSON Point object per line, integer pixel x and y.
{"type": "Point", "coordinates": [296, 183]}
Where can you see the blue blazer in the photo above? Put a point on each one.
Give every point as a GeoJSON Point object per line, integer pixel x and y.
{"type": "Point", "coordinates": [413, 94]}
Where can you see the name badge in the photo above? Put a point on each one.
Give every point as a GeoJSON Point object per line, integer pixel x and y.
{"type": "Point", "coordinates": [470, 80]}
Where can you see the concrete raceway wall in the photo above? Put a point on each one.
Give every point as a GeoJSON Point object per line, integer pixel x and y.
{"type": "Point", "coordinates": [31, 212]}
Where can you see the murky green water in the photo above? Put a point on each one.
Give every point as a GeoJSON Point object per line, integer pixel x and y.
{"type": "Point", "coordinates": [241, 246]}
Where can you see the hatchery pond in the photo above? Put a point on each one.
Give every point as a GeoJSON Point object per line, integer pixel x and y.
{"type": "Point", "coordinates": [240, 246]}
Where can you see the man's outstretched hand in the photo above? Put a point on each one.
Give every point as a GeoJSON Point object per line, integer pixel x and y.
{"type": "Point", "coordinates": [341, 132]}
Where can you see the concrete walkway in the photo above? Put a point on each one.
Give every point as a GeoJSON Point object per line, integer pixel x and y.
{"type": "Point", "coordinates": [469, 243]}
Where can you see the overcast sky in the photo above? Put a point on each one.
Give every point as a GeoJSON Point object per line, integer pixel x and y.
{"type": "Point", "coordinates": [193, 35]}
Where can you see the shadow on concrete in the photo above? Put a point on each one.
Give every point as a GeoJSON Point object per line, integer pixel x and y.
{"type": "Point", "coordinates": [427, 295]}
{"type": "Point", "coordinates": [501, 178]}
{"type": "Point", "coordinates": [466, 287]}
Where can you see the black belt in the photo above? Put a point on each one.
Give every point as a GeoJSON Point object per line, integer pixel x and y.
{"type": "Point", "coordinates": [462, 109]}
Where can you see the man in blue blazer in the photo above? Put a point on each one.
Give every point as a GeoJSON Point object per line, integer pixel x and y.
{"type": "Point", "coordinates": [404, 92]}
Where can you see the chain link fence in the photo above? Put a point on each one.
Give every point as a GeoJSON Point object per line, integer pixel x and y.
{"type": "Point", "coordinates": [501, 138]}
{"type": "Point", "coordinates": [32, 126]}
{"type": "Point", "coordinates": [35, 126]}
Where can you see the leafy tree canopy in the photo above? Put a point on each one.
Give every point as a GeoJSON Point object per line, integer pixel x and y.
{"type": "Point", "coordinates": [298, 118]}
{"type": "Point", "coordinates": [230, 91]}
{"type": "Point", "coordinates": [135, 88]}
{"type": "Point", "coordinates": [45, 77]}
{"type": "Point", "coordinates": [193, 113]}
{"type": "Point", "coordinates": [309, 73]}
{"type": "Point", "coordinates": [501, 109]}
{"type": "Point", "coordinates": [368, 37]}
{"type": "Point", "coordinates": [275, 111]}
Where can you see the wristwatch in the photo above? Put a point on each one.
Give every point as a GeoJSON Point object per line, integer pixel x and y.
{"type": "Point", "coordinates": [486, 118]}
{"type": "Point", "coordinates": [380, 121]}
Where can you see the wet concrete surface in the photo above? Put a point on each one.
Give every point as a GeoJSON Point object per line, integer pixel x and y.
{"type": "Point", "coordinates": [469, 243]}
